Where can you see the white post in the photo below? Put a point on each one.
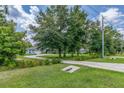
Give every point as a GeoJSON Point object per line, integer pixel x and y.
{"type": "Point", "coordinates": [102, 29]}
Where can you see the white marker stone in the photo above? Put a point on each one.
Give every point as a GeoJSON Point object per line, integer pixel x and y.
{"type": "Point", "coordinates": [71, 68]}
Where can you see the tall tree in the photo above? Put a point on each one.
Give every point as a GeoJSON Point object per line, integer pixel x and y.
{"type": "Point", "coordinates": [76, 28]}
{"type": "Point", "coordinates": [68, 29]}
{"type": "Point", "coordinates": [113, 40]}
{"type": "Point", "coordinates": [95, 38]}
{"type": "Point", "coordinates": [48, 34]}
{"type": "Point", "coordinates": [62, 19]}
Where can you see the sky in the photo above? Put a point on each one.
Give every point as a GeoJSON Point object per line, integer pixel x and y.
{"type": "Point", "coordinates": [25, 15]}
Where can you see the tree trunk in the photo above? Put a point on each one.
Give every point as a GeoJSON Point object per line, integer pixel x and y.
{"type": "Point", "coordinates": [64, 52]}
{"type": "Point", "coordinates": [72, 54]}
{"type": "Point", "coordinates": [77, 52]}
{"type": "Point", "coordinates": [60, 53]}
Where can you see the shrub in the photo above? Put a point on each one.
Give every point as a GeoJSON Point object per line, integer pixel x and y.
{"type": "Point", "coordinates": [12, 65]}
{"type": "Point", "coordinates": [20, 64]}
{"type": "Point", "coordinates": [35, 63]}
{"type": "Point", "coordinates": [29, 63]}
{"type": "Point", "coordinates": [41, 62]}
{"type": "Point", "coordinates": [56, 61]}
{"type": "Point", "coordinates": [47, 62]}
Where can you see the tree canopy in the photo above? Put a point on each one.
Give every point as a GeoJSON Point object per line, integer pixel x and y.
{"type": "Point", "coordinates": [69, 29]}
{"type": "Point", "coordinates": [11, 42]}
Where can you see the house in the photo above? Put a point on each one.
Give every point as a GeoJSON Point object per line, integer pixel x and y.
{"type": "Point", "coordinates": [33, 51]}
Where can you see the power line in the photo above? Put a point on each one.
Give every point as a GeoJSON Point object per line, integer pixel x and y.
{"type": "Point", "coordinates": [103, 18]}
{"type": "Point", "coordinates": [101, 15]}
{"type": "Point", "coordinates": [90, 16]}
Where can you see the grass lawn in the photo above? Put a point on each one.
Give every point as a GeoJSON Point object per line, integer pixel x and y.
{"type": "Point", "coordinates": [69, 57]}
{"type": "Point", "coordinates": [52, 76]}
{"type": "Point", "coordinates": [108, 60]}
{"type": "Point", "coordinates": [87, 57]}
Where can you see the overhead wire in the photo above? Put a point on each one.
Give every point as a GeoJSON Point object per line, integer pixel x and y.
{"type": "Point", "coordinates": [102, 16]}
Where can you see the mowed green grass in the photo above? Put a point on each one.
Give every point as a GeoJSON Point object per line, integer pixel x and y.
{"type": "Point", "coordinates": [108, 60]}
{"type": "Point", "coordinates": [81, 57]}
{"type": "Point", "coordinates": [87, 57]}
{"type": "Point", "coordinates": [53, 77]}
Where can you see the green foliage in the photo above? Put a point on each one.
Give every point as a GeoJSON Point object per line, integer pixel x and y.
{"type": "Point", "coordinates": [76, 29]}
{"type": "Point", "coordinates": [10, 45]}
{"type": "Point", "coordinates": [49, 33]}
{"type": "Point", "coordinates": [81, 57]}
{"type": "Point", "coordinates": [2, 17]}
{"type": "Point", "coordinates": [35, 62]}
{"type": "Point", "coordinates": [113, 42]}
{"type": "Point", "coordinates": [11, 42]}
{"type": "Point", "coordinates": [47, 62]}
{"type": "Point", "coordinates": [69, 30]}
{"type": "Point", "coordinates": [55, 60]}
{"type": "Point", "coordinates": [22, 44]}
{"type": "Point", "coordinates": [95, 40]}
{"type": "Point", "coordinates": [28, 63]}
{"type": "Point", "coordinates": [61, 29]}
{"type": "Point", "coordinates": [12, 65]}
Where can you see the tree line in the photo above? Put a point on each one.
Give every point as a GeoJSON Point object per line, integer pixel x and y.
{"type": "Point", "coordinates": [68, 29]}
{"type": "Point", "coordinates": [61, 28]}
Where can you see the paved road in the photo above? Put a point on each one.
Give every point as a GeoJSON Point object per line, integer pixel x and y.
{"type": "Point", "coordinates": [36, 56]}
{"type": "Point", "coordinates": [116, 57]}
{"type": "Point", "coordinates": [33, 56]}
{"type": "Point", "coordinates": [109, 66]}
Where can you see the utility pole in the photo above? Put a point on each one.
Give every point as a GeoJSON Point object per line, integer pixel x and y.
{"type": "Point", "coordinates": [102, 30]}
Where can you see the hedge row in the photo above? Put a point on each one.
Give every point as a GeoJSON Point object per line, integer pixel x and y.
{"type": "Point", "coordinates": [33, 62]}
